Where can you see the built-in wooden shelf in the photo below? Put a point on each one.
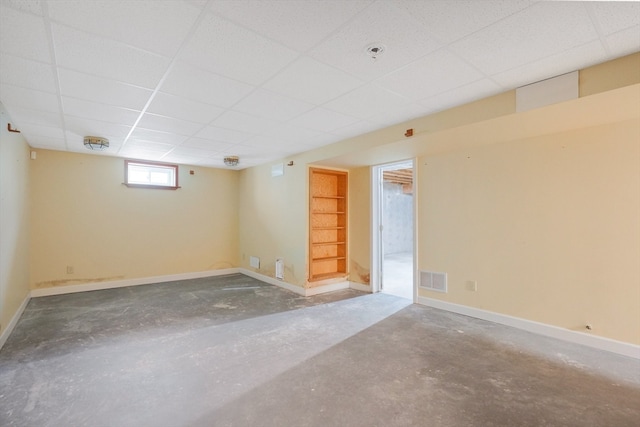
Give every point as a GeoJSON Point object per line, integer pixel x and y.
{"type": "Point", "coordinates": [327, 224]}
{"type": "Point", "coordinates": [328, 243]}
{"type": "Point", "coordinates": [329, 258]}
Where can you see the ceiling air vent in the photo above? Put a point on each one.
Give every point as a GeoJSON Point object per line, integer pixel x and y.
{"type": "Point", "coordinates": [433, 281]}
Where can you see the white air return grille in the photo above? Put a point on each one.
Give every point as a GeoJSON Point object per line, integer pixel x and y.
{"type": "Point", "coordinates": [433, 281]}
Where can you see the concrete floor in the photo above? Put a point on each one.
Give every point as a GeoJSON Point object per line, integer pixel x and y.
{"type": "Point", "coordinates": [233, 351]}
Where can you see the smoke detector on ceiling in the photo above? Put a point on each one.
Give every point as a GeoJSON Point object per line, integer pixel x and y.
{"type": "Point", "coordinates": [96, 143]}
{"type": "Point", "coordinates": [374, 50]}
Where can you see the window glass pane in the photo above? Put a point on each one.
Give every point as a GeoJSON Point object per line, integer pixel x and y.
{"type": "Point", "coordinates": [151, 174]}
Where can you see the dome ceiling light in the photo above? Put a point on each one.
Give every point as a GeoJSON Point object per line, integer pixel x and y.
{"type": "Point", "coordinates": [96, 143]}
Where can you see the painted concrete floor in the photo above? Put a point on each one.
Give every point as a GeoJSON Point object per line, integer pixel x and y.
{"type": "Point", "coordinates": [233, 351]}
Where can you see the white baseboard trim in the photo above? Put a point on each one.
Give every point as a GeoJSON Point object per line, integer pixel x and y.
{"type": "Point", "coordinates": [97, 286]}
{"type": "Point", "coordinates": [360, 287]}
{"type": "Point", "coordinates": [306, 292]}
{"type": "Point", "coordinates": [14, 321]}
{"type": "Point", "coordinates": [601, 343]}
{"type": "Point", "coordinates": [273, 281]}
{"type": "Point", "coordinates": [327, 288]}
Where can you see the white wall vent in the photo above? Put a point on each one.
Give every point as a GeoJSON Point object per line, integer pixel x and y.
{"type": "Point", "coordinates": [254, 262]}
{"type": "Point", "coordinates": [433, 281]}
{"type": "Point", "coordinates": [280, 269]}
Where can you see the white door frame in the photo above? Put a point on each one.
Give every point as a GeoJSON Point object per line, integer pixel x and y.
{"type": "Point", "coordinates": [376, 273]}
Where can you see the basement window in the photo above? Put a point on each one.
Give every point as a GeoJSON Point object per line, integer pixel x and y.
{"type": "Point", "coordinates": [150, 175]}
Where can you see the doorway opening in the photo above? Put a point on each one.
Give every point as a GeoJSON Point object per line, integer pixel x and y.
{"type": "Point", "coordinates": [393, 229]}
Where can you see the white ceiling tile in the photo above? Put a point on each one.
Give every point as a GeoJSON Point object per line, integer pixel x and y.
{"type": "Point", "coordinates": [157, 26]}
{"type": "Point", "coordinates": [462, 95]}
{"type": "Point", "coordinates": [355, 129]}
{"type": "Point", "coordinates": [240, 150]}
{"type": "Point", "coordinates": [46, 143]}
{"type": "Point", "coordinates": [223, 47]}
{"type": "Point", "coordinates": [182, 108]}
{"type": "Point", "coordinates": [272, 105]}
{"type": "Point", "coordinates": [185, 160]}
{"type": "Point", "coordinates": [323, 120]}
{"type": "Point", "coordinates": [26, 73]}
{"type": "Point", "coordinates": [102, 57]}
{"type": "Point", "coordinates": [193, 153]}
{"type": "Point", "coordinates": [205, 144]}
{"type": "Point", "coordinates": [148, 135]}
{"type": "Point", "coordinates": [542, 30]}
{"type": "Point", "coordinates": [289, 133]}
{"type": "Point", "coordinates": [615, 16]}
{"type": "Point", "coordinates": [148, 145]}
{"type": "Point", "coordinates": [367, 101]}
{"type": "Point", "coordinates": [551, 66]}
{"type": "Point", "coordinates": [21, 115]}
{"type": "Point", "coordinates": [103, 91]}
{"type": "Point", "coordinates": [451, 20]}
{"type": "Point", "coordinates": [243, 122]}
{"type": "Point", "coordinates": [322, 140]}
{"type": "Point", "coordinates": [168, 124]}
{"type": "Point", "coordinates": [317, 86]}
{"type": "Point", "coordinates": [85, 127]}
{"type": "Point", "coordinates": [311, 81]}
{"type": "Point", "coordinates": [405, 39]}
{"type": "Point", "coordinates": [297, 24]}
{"type": "Point", "coordinates": [54, 132]}
{"type": "Point", "coordinates": [217, 134]}
{"type": "Point", "coordinates": [213, 162]}
{"type": "Point", "coordinates": [399, 115]}
{"type": "Point", "coordinates": [91, 110]}
{"type": "Point", "coordinates": [30, 6]}
{"type": "Point", "coordinates": [24, 35]}
{"type": "Point", "coordinates": [436, 73]}
{"type": "Point", "coordinates": [131, 151]}
{"type": "Point", "coordinates": [248, 154]}
{"type": "Point", "coordinates": [198, 85]}
{"type": "Point", "coordinates": [269, 141]}
{"type": "Point", "coordinates": [624, 42]}
{"type": "Point", "coordinates": [33, 99]}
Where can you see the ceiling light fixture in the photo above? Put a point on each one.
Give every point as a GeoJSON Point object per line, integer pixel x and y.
{"type": "Point", "coordinates": [374, 50]}
{"type": "Point", "coordinates": [231, 160]}
{"type": "Point", "coordinates": [96, 143]}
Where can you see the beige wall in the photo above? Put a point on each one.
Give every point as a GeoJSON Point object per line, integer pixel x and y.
{"type": "Point", "coordinates": [540, 208]}
{"type": "Point", "coordinates": [82, 216]}
{"type": "Point", "coordinates": [537, 188]}
{"type": "Point", "coordinates": [14, 221]}
{"type": "Point", "coordinates": [549, 227]}
{"type": "Point", "coordinates": [360, 225]}
{"type": "Point", "coordinates": [273, 217]}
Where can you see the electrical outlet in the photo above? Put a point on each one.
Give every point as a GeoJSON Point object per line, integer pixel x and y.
{"type": "Point", "coordinates": [471, 285]}
{"type": "Point", "coordinates": [69, 269]}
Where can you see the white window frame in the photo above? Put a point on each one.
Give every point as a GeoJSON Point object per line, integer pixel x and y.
{"type": "Point", "coordinates": [164, 168]}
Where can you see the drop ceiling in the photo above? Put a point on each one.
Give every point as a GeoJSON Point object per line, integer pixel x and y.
{"type": "Point", "coordinates": [191, 82]}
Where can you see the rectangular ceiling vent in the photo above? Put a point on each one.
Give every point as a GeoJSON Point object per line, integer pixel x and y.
{"type": "Point", "coordinates": [433, 281]}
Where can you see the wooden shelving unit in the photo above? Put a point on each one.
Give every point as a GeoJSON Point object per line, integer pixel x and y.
{"type": "Point", "coordinates": [327, 224]}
